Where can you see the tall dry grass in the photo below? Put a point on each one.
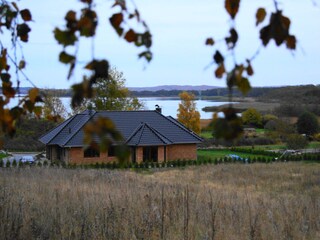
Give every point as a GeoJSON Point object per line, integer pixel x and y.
{"type": "Point", "coordinates": [258, 201]}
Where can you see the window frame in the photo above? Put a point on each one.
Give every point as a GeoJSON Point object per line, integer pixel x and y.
{"type": "Point", "coordinates": [91, 153]}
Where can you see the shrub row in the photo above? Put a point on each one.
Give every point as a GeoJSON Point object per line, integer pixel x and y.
{"type": "Point", "coordinates": [202, 160]}
{"type": "Point", "coordinates": [15, 163]}
{"type": "Point", "coordinates": [255, 151]}
{"type": "Point", "coordinates": [241, 142]}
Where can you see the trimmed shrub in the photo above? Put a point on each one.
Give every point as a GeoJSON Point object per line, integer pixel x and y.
{"type": "Point", "coordinates": [14, 163]}
{"type": "Point", "coordinates": [296, 141]}
{"type": "Point", "coordinates": [20, 164]}
{"type": "Point", "coordinates": [62, 164]}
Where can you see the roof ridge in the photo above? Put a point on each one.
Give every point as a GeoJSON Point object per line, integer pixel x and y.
{"type": "Point", "coordinates": [134, 132]}
{"type": "Point", "coordinates": [158, 133]}
{"type": "Point", "coordinates": [143, 126]}
{"type": "Point", "coordinates": [102, 111]}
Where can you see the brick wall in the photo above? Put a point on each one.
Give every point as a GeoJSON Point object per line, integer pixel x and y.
{"type": "Point", "coordinates": [181, 151]}
{"type": "Point", "coordinates": [76, 156]}
{"type": "Point", "coordinates": [139, 154]}
{"type": "Point", "coordinates": [161, 153]}
{"type": "Point", "coordinates": [173, 152]}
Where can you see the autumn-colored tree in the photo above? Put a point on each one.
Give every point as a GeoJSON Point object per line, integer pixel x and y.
{"type": "Point", "coordinates": [111, 94]}
{"type": "Point", "coordinates": [53, 108]}
{"type": "Point", "coordinates": [187, 112]}
{"type": "Point", "coordinates": [252, 117]}
{"type": "Point", "coordinates": [268, 117]}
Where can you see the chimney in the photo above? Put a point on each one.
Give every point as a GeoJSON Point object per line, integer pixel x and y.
{"type": "Point", "coordinates": [158, 109]}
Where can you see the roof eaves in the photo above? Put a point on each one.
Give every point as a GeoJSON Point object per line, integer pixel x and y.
{"type": "Point", "coordinates": [180, 125]}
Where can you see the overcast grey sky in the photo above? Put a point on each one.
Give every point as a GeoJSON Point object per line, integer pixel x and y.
{"type": "Point", "coordinates": [179, 30]}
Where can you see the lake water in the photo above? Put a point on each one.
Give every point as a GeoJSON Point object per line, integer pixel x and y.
{"type": "Point", "coordinates": [169, 105]}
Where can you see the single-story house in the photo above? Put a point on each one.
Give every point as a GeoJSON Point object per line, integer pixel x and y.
{"type": "Point", "coordinates": [150, 135]}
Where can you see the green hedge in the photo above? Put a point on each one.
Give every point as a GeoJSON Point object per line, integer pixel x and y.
{"type": "Point", "coordinates": [180, 163]}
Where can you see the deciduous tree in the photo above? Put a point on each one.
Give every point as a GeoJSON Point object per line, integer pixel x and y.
{"type": "Point", "coordinates": [296, 141]}
{"type": "Point", "coordinates": [112, 94]}
{"type": "Point", "coordinates": [187, 112]}
{"type": "Point", "coordinates": [308, 124]}
{"type": "Point", "coordinates": [53, 108]}
{"type": "Point", "coordinates": [252, 117]}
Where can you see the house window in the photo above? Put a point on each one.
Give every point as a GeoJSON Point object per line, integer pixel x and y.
{"type": "Point", "coordinates": [111, 151]}
{"type": "Point", "coordinates": [150, 154]}
{"type": "Point", "coordinates": [91, 152]}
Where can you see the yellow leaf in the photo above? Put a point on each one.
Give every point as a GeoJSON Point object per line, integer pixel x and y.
{"type": "Point", "coordinates": [244, 85]}
{"type": "Point", "coordinates": [33, 93]}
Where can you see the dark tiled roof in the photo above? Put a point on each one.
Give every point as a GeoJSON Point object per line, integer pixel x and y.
{"type": "Point", "coordinates": [146, 135]}
{"type": "Point", "coordinates": [137, 128]}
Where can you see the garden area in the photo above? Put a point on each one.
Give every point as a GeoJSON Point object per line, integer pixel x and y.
{"type": "Point", "coordinates": [268, 132]}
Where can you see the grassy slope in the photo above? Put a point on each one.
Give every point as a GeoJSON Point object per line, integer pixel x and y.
{"type": "Point", "coordinates": [235, 201]}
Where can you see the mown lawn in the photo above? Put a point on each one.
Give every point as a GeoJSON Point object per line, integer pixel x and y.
{"type": "Point", "coordinates": [3, 155]}
{"type": "Point", "coordinates": [224, 152]}
{"type": "Point", "coordinates": [311, 145]}
{"type": "Point", "coordinates": [206, 134]}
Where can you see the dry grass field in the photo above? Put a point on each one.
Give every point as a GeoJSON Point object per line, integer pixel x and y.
{"type": "Point", "coordinates": [233, 201]}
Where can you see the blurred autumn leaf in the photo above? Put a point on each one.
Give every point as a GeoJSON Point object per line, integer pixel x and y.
{"type": "Point", "coordinates": [229, 127]}
{"type": "Point", "coordinates": [210, 41]}
{"type": "Point", "coordinates": [260, 15]}
{"type": "Point", "coordinates": [26, 15]}
{"type": "Point", "coordinates": [232, 7]}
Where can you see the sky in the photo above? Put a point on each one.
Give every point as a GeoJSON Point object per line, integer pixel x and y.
{"type": "Point", "coordinates": [179, 30]}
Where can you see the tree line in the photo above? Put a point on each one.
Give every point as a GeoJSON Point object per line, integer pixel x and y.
{"type": "Point", "coordinates": [306, 94]}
